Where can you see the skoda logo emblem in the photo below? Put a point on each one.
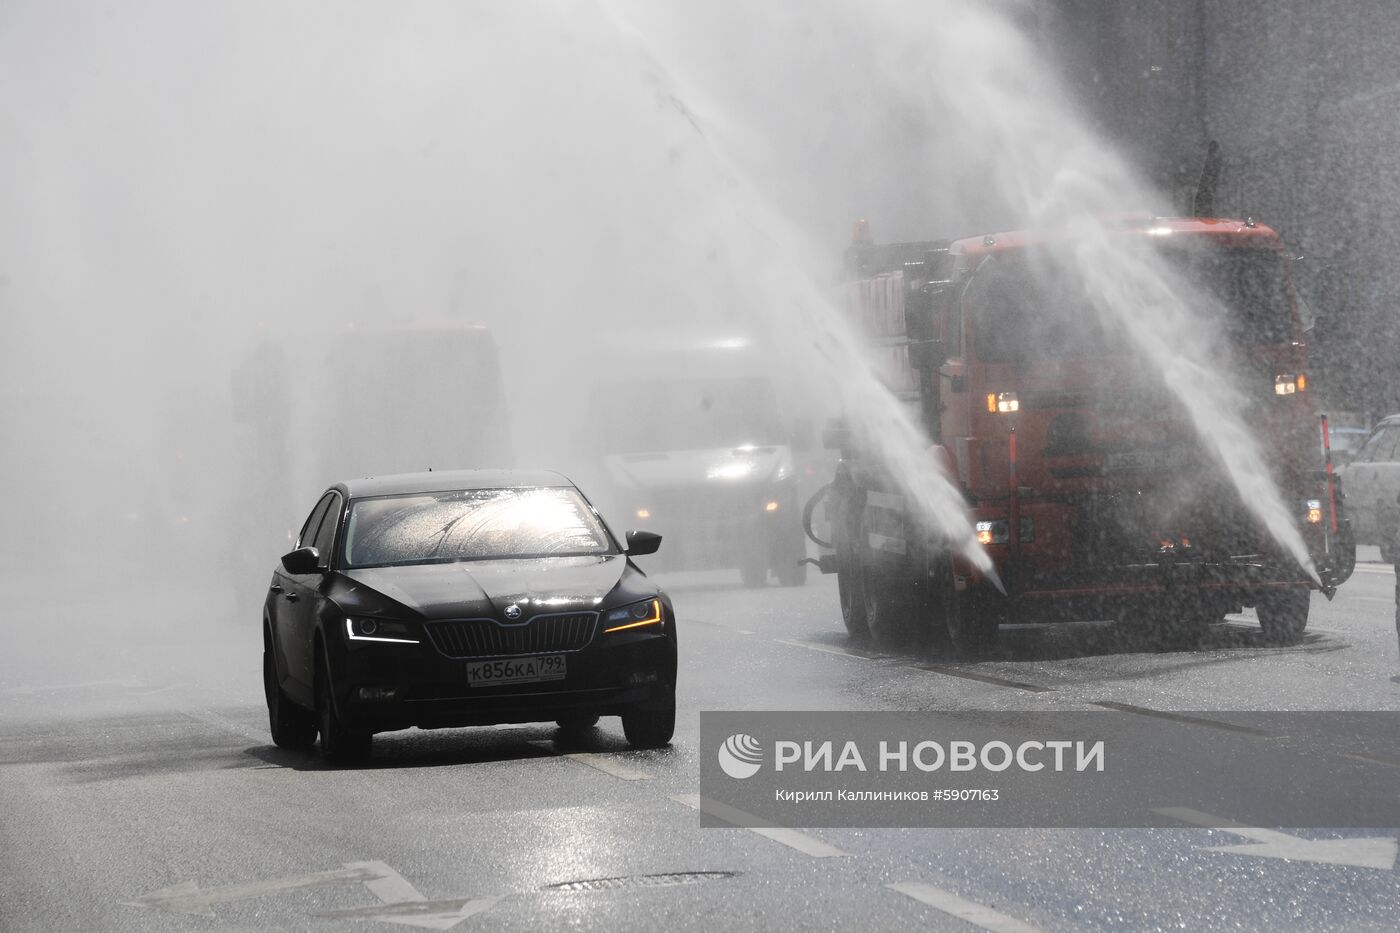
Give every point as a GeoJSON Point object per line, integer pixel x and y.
{"type": "Point", "coordinates": [512, 611]}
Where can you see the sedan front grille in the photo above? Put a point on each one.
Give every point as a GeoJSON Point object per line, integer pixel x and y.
{"type": "Point", "coordinates": [486, 638]}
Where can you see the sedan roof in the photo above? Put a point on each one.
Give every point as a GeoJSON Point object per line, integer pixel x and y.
{"type": "Point", "coordinates": [449, 480]}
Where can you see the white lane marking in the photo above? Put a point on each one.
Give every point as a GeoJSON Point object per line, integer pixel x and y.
{"type": "Point", "coordinates": [390, 886]}
{"type": "Point", "coordinates": [609, 765]}
{"type": "Point", "coordinates": [1373, 599]}
{"type": "Point", "coordinates": [431, 915]}
{"type": "Point", "coordinates": [727, 628]}
{"type": "Point", "coordinates": [188, 898]}
{"type": "Point", "coordinates": [1382, 569]}
{"type": "Point", "coordinates": [979, 915]}
{"type": "Point", "coordinates": [1376, 852]}
{"type": "Point", "coordinates": [824, 649]}
{"type": "Point", "coordinates": [807, 845]}
{"type": "Point", "coordinates": [400, 901]}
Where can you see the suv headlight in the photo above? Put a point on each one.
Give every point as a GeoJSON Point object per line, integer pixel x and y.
{"type": "Point", "coordinates": [637, 615]}
{"type": "Point", "coordinates": [361, 628]}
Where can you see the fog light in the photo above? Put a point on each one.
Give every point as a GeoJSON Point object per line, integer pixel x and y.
{"type": "Point", "coordinates": [644, 513]}
{"type": "Point", "coordinates": [771, 506]}
{"type": "Point", "coordinates": [378, 693]}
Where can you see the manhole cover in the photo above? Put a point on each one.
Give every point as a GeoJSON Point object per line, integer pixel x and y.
{"type": "Point", "coordinates": [641, 881]}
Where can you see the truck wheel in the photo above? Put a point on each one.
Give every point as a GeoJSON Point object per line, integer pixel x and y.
{"type": "Point", "coordinates": [1283, 615]}
{"type": "Point", "coordinates": [972, 620]}
{"type": "Point", "coordinates": [850, 583]}
{"type": "Point", "coordinates": [890, 599]}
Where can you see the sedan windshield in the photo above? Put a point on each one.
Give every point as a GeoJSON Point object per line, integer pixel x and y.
{"type": "Point", "coordinates": [471, 524]}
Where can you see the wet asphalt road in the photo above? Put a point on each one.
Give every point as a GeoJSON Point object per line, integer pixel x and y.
{"type": "Point", "coordinates": [139, 789]}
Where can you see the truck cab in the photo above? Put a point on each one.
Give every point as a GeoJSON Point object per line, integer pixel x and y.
{"type": "Point", "coordinates": [1083, 473]}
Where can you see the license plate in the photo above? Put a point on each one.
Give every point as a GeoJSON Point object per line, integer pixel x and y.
{"type": "Point", "coordinates": [516, 670]}
{"type": "Point", "coordinates": [1146, 460]}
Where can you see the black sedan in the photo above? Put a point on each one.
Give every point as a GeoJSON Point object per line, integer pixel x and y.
{"type": "Point", "coordinates": [463, 598]}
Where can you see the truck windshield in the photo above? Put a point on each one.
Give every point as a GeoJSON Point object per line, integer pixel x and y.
{"type": "Point", "coordinates": [694, 414]}
{"type": "Point", "coordinates": [1021, 311]}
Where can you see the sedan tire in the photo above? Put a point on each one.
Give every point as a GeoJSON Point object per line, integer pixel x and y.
{"type": "Point", "coordinates": [291, 726]}
{"type": "Point", "coordinates": [651, 723]}
{"type": "Point", "coordinates": [341, 743]}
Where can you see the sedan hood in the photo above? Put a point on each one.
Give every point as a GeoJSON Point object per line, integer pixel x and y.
{"type": "Point", "coordinates": [485, 588]}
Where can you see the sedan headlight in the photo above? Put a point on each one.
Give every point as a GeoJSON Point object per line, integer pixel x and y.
{"type": "Point", "coordinates": [647, 612]}
{"type": "Point", "coordinates": [360, 628]}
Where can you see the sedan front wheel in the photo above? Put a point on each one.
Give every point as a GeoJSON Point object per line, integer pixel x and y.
{"type": "Point", "coordinates": [651, 723]}
{"type": "Point", "coordinates": [291, 726]}
{"type": "Point", "coordinates": [341, 743]}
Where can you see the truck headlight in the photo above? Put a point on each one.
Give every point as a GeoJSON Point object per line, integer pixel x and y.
{"type": "Point", "coordinates": [1314, 513]}
{"type": "Point", "coordinates": [1002, 403]}
{"type": "Point", "coordinates": [1290, 384]}
{"type": "Point", "coordinates": [647, 612]}
{"type": "Point", "coordinates": [998, 532]}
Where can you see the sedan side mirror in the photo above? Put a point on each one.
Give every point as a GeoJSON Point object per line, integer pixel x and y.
{"type": "Point", "coordinates": [642, 542]}
{"type": "Point", "coordinates": [301, 561]}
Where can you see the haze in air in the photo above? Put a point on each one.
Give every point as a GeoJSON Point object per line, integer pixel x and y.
{"type": "Point", "coordinates": [184, 185]}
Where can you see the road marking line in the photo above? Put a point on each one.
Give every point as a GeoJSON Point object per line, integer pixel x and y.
{"type": "Point", "coordinates": [1378, 852]}
{"type": "Point", "coordinates": [984, 678]}
{"type": "Point", "coordinates": [1372, 599]}
{"type": "Point", "coordinates": [609, 765]}
{"type": "Point", "coordinates": [430, 915]}
{"type": "Point", "coordinates": [979, 915]}
{"type": "Point", "coordinates": [1371, 759]}
{"type": "Point", "coordinates": [188, 898]}
{"type": "Point", "coordinates": [843, 652]}
{"type": "Point", "coordinates": [389, 886]}
{"type": "Point", "coordinates": [727, 628]}
{"type": "Point", "coordinates": [400, 901]}
{"type": "Point", "coordinates": [1360, 569]}
{"type": "Point", "coordinates": [1182, 717]}
{"type": "Point", "coordinates": [807, 845]}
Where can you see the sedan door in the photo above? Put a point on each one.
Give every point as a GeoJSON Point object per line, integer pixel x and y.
{"type": "Point", "coordinates": [295, 602]}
